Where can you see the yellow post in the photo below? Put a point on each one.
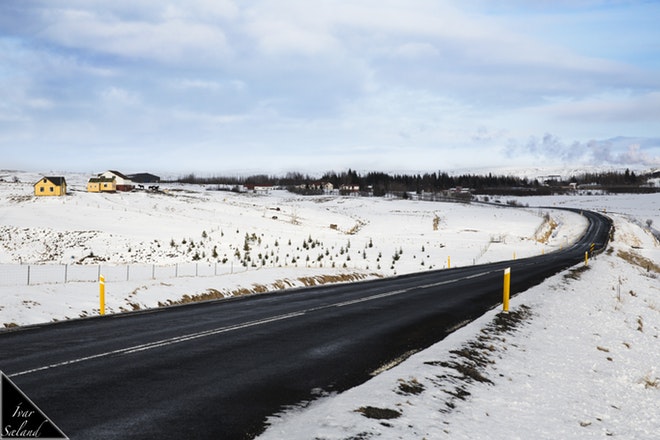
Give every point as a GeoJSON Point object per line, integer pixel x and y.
{"type": "Point", "coordinates": [448, 262]}
{"type": "Point", "coordinates": [514, 255]}
{"type": "Point", "coordinates": [102, 294]}
{"type": "Point", "coordinates": [507, 289]}
{"type": "Point", "coordinates": [586, 258]}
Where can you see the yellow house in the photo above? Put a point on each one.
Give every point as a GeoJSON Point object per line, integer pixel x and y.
{"type": "Point", "coordinates": [50, 186]}
{"type": "Point", "coordinates": [101, 184]}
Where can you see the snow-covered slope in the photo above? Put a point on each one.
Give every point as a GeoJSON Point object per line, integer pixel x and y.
{"type": "Point", "coordinates": [148, 244]}
{"type": "Point", "coordinates": [577, 358]}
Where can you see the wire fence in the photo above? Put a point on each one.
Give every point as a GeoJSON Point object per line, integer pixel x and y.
{"type": "Point", "coordinates": [35, 274]}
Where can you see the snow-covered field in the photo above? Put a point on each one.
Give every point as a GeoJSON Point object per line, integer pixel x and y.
{"type": "Point", "coordinates": [577, 358]}
{"type": "Point", "coordinates": [150, 245]}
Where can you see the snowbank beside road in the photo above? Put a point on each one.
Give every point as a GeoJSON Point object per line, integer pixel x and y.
{"type": "Point", "coordinates": [576, 359]}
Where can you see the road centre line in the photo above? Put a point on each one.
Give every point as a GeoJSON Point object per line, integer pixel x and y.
{"type": "Point", "coordinates": [397, 292]}
{"type": "Point", "coordinates": [217, 331]}
{"type": "Point", "coordinates": [192, 336]}
{"type": "Point", "coordinates": [161, 343]}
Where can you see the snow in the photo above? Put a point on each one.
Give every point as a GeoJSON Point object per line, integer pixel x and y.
{"type": "Point", "coordinates": [584, 365]}
{"type": "Point", "coordinates": [149, 246]}
{"type": "Point", "coordinates": [580, 361]}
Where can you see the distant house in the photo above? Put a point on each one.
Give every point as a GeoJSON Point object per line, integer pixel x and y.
{"type": "Point", "coordinates": [123, 183]}
{"type": "Point", "coordinates": [50, 186]}
{"type": "Point", "coordinates": [550, 180]}
{"type": "Point", "coordinates": [259, 188]}
{"type": "Point", "coordinates": [318, 185]}
{"type": "Point", "coordinates": [144, 178]}
{"type": "Point", "coordinates": [344, 189]}
{"type": "Point", "coordinates": [101, 184]}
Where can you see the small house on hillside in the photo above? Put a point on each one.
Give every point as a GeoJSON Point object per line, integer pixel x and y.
{"type": "Point", "coordinates": [50, 186]}
{"type": "Point", "coordinates": [122, 182]}
{"type": "Point", "coordinates": [101, 184]}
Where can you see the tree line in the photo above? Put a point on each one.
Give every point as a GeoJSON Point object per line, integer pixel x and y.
{"type": "Point", "coordinates": [381, 183]}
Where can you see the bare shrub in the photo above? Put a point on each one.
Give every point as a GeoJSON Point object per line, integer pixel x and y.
{"type": "Point", "coordinates": [372, 412]}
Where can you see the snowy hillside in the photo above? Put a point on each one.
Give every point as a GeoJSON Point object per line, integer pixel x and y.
{"type": "Point", "coordinates": [576, 358]}
{"type": "Point", "coordinates": [150, 245]}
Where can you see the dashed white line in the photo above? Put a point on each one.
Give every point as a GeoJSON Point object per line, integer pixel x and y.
{"type": "Point", "coordinates": [191, 336]}
{"type": "Point", "coordinates": [161, 343]}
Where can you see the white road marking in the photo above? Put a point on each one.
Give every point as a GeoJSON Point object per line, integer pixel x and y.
{"type": "Point", "coordinates": [161, 343]}
{"type": "Point", "coordinates": [397, 292]}
{"type": "Point", "coordinates": [191, 336]}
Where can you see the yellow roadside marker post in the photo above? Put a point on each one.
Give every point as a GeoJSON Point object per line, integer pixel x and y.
{"type": "Point", "coordinates": [448, 262]}
{"type": "Point", "coordinates": [102, 294]}
{"type": "Point", "coordinates": [507, 289]}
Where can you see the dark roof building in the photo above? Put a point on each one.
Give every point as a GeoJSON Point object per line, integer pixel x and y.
{"type": "Point", "coordinates": [144, 178]}
{"type": "Point", "coordinates": [50, 186]}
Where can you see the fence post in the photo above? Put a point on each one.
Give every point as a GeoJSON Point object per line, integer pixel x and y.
{"type": "Point", "coordinates": [102, 295]}
{"type": "Point", "coordinates": [128, 272]}
{"type": "Point", "coordinates": [506, 290]}
{"type": "Point", "coordinates": [66, 273]}
{"type": "Point", "coordinates": [153, 271]}
{"type": "Point", "coordinates": [28, 275]}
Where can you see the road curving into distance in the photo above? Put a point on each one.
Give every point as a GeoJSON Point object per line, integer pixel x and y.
{"type": "Point", "coordinates": [216, 370]}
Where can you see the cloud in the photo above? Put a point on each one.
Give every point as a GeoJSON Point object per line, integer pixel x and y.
{"type": "Point", "coordinates": [423, 81]}
{"type": "Point", "coordinates": [551, 150]}
{"type": "Point", "coordinates": [608, 107]}
{"type": "Point", "coordinates": [119, 96]}
{"type": "Point", "coordinates": [634, 155]}
{"type": "Point", "coordinates": [631, 155]}
{"type": "Point", "coordinates": [291, 28]}
{"type": "Point", "coordinates": [421, 43]}
{"type": "Point", "coordinates": [168, 39]}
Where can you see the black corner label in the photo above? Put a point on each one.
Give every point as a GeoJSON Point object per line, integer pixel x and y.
{"type": "Point", "coordinates": [21, 418]}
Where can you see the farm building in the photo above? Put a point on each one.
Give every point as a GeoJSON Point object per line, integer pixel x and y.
{"type": "Point", "coordinates": [263, 189]}
{"type": "Point", "coordinates": [144, 178]}
{"type": "Point", "coordinates": [102, 184]}
{"type": "Point", "coordinates": [325, 186]}
{"type": "Point", "coordinates": [123, 183]}
{"type": "Point", "coordinates": [50, 186]}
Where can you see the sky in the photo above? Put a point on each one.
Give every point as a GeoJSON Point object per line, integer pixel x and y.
{"type": "Point", "coordinates": [222, 86]}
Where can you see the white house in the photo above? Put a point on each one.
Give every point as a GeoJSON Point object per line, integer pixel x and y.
{"type": "Point", "coordinates": [123, 182]}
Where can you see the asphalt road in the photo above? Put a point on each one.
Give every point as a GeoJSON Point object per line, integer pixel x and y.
{"type": "Point", "coordinates": [216, 370]}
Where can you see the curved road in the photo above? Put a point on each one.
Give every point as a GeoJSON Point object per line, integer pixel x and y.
{"type": "Point", "coordinates": [218, 369]}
